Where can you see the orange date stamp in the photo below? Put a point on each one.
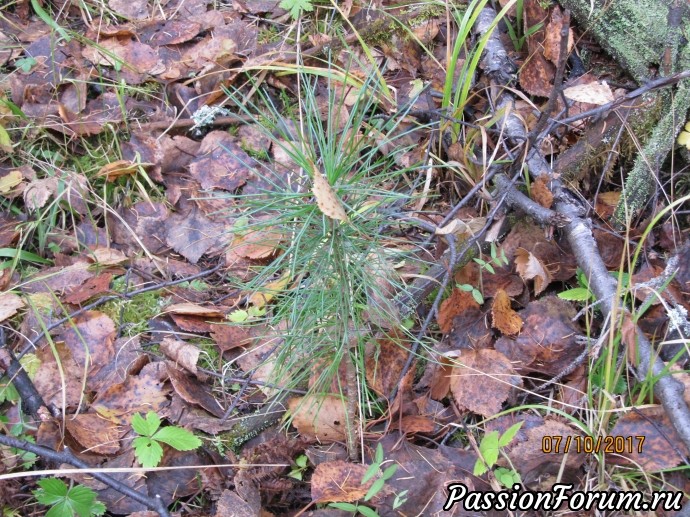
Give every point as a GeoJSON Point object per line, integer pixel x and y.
{"type": "Point", "coordinates": [557, 444]}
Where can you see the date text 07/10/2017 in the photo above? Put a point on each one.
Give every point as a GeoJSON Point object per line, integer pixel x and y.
{"type": "Point", "coordinates": [517, 499]}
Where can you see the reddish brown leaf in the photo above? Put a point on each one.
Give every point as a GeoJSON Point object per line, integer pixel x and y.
{"type": "Point", "coordinates": [258, 244]}
{"type": "Point", "coordinates": [536, 75]}
{"type": "Point", "coordinates": [538, 450]}
{"type": "Point", "coordinates": [650, 440]}
{"type": "Point", "coordinates": [339, 481]}
{"type": "Point", "coordinates": [547, 342]}
{"type": "Point", "coordinates": [138, 394]}
{"type": "Point", "coordinates": [193, 392]}
{"type": "Point", "coordinates": [228, 337]}
{"type": "Point", "coordinates": [221, 163]}
{"type": "Point", "coordinates": [95, 433]}
{"type": "Point", "coordinates": [455, 304]}
{"type": "Point", "coordinates": [481, 380]}
{"type": "Point", "coordinates": [384, 366]}
{"type": "Point", "coordinates": [541, 193]}
{"type": "Point", "coordinates": [605, 203]}
{"type": "Point", "coordinates": [93, 286]}
{"type": "Point", "coordinates": [552, 40]}
{"type": "Point", "coordinates": [505, 319]}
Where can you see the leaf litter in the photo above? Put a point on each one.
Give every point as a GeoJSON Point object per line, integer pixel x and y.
{"type": "Point", "coordinates": [208, 360]}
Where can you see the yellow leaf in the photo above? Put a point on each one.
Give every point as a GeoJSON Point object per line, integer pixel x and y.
{"type": "Point", "coordinates": [258, 300]}
{"type": "Point", "coordinates": [5, 141]}
{"type": "Point", "coordinates": [10, 180]}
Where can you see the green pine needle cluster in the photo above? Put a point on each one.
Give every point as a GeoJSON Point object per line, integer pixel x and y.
{"type": "Point", "coordinates": [342, 274]}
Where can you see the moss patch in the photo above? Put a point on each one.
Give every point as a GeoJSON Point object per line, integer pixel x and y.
{"type": "Point", "coordinates": [134, 313]}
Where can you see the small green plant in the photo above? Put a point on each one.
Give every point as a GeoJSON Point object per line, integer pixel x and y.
{"type": "Point", "coordinates": [456, 93]}
{"type": "Point", "coordinates": [489, 449]}
{"type": "Point", "coordinates": [582, 293]}
{"type": "Point", "coordinates": [496, 260]}
{"type": "Point", "coordinates": [24, 459]}
{"type": "Point", "coordinates": [147, 447]}
{"type": "Point", "coordinates": [517, 34]}
{"type": "Point", "coordinates": [297, 6]}
{"type": "Point", "coordinates": [242, 316]}
{"type": "Point", "coordinates": [297, 471]}
{"type": "Point", "coordinates": [383, 476]}
{"type": "Point", "coordinates": [67, 501]}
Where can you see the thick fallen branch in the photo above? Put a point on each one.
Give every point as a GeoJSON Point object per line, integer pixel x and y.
{"type": "Point", "coordinates": [668, 390]}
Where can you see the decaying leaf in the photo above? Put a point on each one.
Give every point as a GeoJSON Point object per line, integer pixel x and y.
{"type": "Point", "coordinates": [552, 41]}
{"type": "Point", "coordinates": [530, 267]}
{"type": "Point", "coordinates": [596, 92]}
{"type": "Point", "coordinates": [95, 433]}
{"type": "Point", "coordinates": [547, 342]}
{"type": "Point", "coordinates": [258, 244]}
{"type": "Point", "coordinates": [504, 317]}
{"type": "Point", "coordinates": [192, 309]}
{"type": "Point", "coordinates": [458, 302]}
{"type": "Point", "coordinates": [323, 418]}
{"type": "Point", "coordinates": [114, 170]}
{"type": "Point", "coordinates": [37, 192]}
{"type": "Point", "coordinates": [339, 481]}
{"type": "Point", "coordinates": [651, 441]}
{"type": "Point", "coordinates": [10, 303]}
{"type": "Point", "coordinates": [481, 380]}
{"type": "Point", "coordinates": [194, 392]}
{"type": "Point", "coordinates": [326, 198]}
{"type": "Point", "coordinates": [183, 354]}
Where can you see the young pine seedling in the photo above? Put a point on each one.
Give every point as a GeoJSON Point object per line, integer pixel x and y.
{"type": "Point", "coordinates": [147, 447]}
{"type": "Point", "coordinates": [67, 501]}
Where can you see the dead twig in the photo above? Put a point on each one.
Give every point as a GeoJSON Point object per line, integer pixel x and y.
{"type": "Point", "coordinates": [152, 503]}
{"type": "Point", "coordinates": [578, 231]}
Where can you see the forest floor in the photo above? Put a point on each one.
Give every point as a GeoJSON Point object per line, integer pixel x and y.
{"type": "Point", "coordinates": [349, 258]}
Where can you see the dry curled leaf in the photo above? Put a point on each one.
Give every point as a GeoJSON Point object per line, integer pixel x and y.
{"type": "Point", "coordinates": [504, 317]}
{"type": "Point", "coordinates": [530, 267]}
{"type": "Point", "coordinates": [328, 202]}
